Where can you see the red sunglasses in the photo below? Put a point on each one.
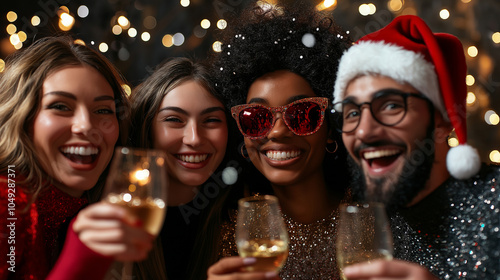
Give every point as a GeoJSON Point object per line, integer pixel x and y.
{"type": "Point", "coordinates": [303, 117]}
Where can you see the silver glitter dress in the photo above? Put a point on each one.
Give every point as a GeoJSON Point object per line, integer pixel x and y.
{"type": "Point", "coordinates": [455, 231]}
{"type": "Point", "coordinates": [311, 248]}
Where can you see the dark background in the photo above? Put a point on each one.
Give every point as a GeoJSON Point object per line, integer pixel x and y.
{"type": "Point", "coordinates": [473, 21]}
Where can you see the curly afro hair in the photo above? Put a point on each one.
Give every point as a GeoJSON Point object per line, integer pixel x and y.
{"type": "Point", "coordinates": [295, 38]}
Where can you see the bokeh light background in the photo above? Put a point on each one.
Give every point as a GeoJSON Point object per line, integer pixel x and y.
{"type": "Point", "coordinates": [136, 35]}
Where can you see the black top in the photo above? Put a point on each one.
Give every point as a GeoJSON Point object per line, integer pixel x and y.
{"type": "Point", "coordinates": [178, 236]}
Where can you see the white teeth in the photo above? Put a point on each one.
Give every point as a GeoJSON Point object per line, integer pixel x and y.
{"type": "Point", "coordinates": [282, 155]}
{"type": "Point", "coordinates": [193, 159]}
{"type": "Point", "coordinates": [379, 154]}
{"type": "Point", "coordinates": [82, 151]}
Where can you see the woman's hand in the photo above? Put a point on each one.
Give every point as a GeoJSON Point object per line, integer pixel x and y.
{"type": "Point", "coordinates": [111, 231]}
{"type": "Point", "coordinates": [382, 269]}
{"type": "Point", "coordinates": [232, 268]}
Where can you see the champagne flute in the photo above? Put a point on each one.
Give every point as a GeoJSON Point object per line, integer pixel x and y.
{"type": "Point", "coordinates": [137, 181]}
{"type": "Point", "coordinates": [363, 234]}
{"type": "Point", "coordinates": [261, 233]}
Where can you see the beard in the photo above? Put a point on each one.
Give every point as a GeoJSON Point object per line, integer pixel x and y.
{"type": "Point", "coordinates": [396, 190]}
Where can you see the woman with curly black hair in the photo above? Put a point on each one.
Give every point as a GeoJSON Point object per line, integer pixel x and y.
{"type": "Point", "coordinates": [281, 65]}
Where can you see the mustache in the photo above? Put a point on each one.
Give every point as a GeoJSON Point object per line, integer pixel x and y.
{"type": "Point", "coordinates": [376, 144]}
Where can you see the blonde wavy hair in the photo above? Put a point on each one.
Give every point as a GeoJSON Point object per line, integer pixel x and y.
{"type": "Point", "coordinates": [20, 97]}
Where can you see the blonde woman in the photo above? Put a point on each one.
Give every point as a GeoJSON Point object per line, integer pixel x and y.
{"type": "Point", "coordinates": [62, 109]}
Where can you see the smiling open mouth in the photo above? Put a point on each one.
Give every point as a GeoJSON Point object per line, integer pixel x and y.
{"type": "Point", "coordinates": [81, 155]}
{"type": "Point", "coordinates": [381, 158]}
{"type": "Point", "coordinates": [282, 155]}
{"type": "Point", "coordinates": [192, 158]}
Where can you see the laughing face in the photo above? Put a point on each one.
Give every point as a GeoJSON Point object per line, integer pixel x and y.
{"type": "Point", "coordinates": [191, 128]}
{"type": "Point", "coordinates": [75, 129]}
{"type": "Point", "coordinates": [391, 162]}
{"type": "Point", "coordinates": [283, 157]}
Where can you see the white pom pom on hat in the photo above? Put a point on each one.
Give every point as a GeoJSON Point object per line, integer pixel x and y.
{"type": "Point", "coordinates": [407, 51]}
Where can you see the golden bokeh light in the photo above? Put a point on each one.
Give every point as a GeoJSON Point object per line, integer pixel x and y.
{"type": "Point", "coordinates": [66, 21]}
{"type": "Point", "coordinates": [495, 156]}
{"type": "Point", "coordinates": [395, 5]}
{"type": "Point", "coordinates": [205, 24]}
{"type": "Point", "coordinates": [167, 40]}
{"type": "Point", "coordinates": [79, 42]}
{"type": "Point", "coordinates": [145, 36]}
{"type": "Point", "coordinates": [11, 29]}
{"type": "Point", "coordinates": [103, 47]}
{"type": "Point", "coordinates": [444, 14]}
{"type": "Point", "coordinates": [123, 22]}
{"type": "Point", "coordinates": [471, 98]}
{"type": "Point", "coordinates": [132, 32]}
{"type": "Point", "coordinates": [14, 39]}
{"type": "Point", "coordinates": [116, 29]}
{"type": "Point", "coordinates": [11, 16]}
{"type": "Point", "coordinates": [496, 37]}
{"type": "Point", "coordinates": [472, 51]}
{"type": "Point", "coordinates": [469, 80]}
{"type": "Point", "coordinates": [127, 89]}
{"type": "Point", "coordinates": [326, 4]}
{"type": "Point", "coordinates": [452, 142]}
{"type": "Point", "coordinates": [22, 36]}
{"type": "Point", "coordinates": [221, 24]}
{"type": "Point", "coordinates": [149, 22]}
{"type": "Point", "coordinates": [217, 46]}
{"type": "Point", "coordinates": [18, 46]}
{"type": "Point", "coordinates": [35, 20]}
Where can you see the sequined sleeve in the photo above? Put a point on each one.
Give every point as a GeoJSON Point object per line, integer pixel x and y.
{"type": "Point", "coordinates": [228, 238]}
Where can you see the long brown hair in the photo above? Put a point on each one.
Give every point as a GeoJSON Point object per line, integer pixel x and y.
{"type": "Point", "coordinates": [145, 102]}
{"type": "Point", "coordinates": [21, 94]}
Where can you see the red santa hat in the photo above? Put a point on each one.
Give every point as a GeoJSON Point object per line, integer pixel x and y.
{"type": "Point", "coordinates": [407, 51]}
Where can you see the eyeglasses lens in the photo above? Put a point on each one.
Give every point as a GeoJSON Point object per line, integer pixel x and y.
{"type": "Point", "coordinates": [387, 109]}
{"type": "Point", "coordinates": [255, 121]}
{"type": "Point", "coordinates": [303, 117]}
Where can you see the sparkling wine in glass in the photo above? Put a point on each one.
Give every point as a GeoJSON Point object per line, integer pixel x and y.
{"type": "Point", "coordinates": [137, 181]}
{"type": "Point", "coordinates": [261, 233]}
{"type": "Point", "coordinates": [363, 234]}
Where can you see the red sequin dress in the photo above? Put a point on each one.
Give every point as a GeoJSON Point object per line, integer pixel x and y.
{"type": "Point", "coordinates": [30, 239]}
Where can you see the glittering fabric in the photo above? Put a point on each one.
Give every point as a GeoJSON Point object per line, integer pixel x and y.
{"type": "Point", "coordinates": [455, 231]}
{"type": "Point", "coordinates": [37, 232]}
{"type": "Point", "coordinates": [311, 248]}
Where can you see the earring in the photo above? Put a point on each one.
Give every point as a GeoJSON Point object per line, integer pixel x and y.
{"type": "Point", "coordinates": [243, 154]}
{"type": "Point", "coordinates": [329, 150]}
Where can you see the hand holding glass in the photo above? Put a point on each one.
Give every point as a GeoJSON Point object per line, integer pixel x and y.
{"type": "Point", "coordinates": [363, 234]}
{"type": "Point", "coordinates": [137, 181]}
{"type": "Point", "coordinates": [261, 233]}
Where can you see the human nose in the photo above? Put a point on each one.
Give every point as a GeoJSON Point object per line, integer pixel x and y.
{"type": "Point", "coordinates": [279, 129]}
{"type": "Point", "coordinates": [368, 127]}
{"type": "Point", "coordinates": [82, 123]}
{"type": "Point", "coordinates": [192, 136]}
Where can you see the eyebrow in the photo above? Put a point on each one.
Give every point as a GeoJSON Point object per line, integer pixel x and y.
{"type": "Point", "coordinates": [289, 100]}
{"type": "Point", "coordinates": [73, 97]}
{"type": "Point", "coordinates": [182, 111]}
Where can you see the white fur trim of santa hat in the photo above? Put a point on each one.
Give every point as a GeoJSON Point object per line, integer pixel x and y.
{"type": "Point", "coordinates": [404, 66]}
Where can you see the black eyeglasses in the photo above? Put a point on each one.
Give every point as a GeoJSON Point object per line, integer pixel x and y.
{"type": "Point", "coordinates": [388, 107]}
